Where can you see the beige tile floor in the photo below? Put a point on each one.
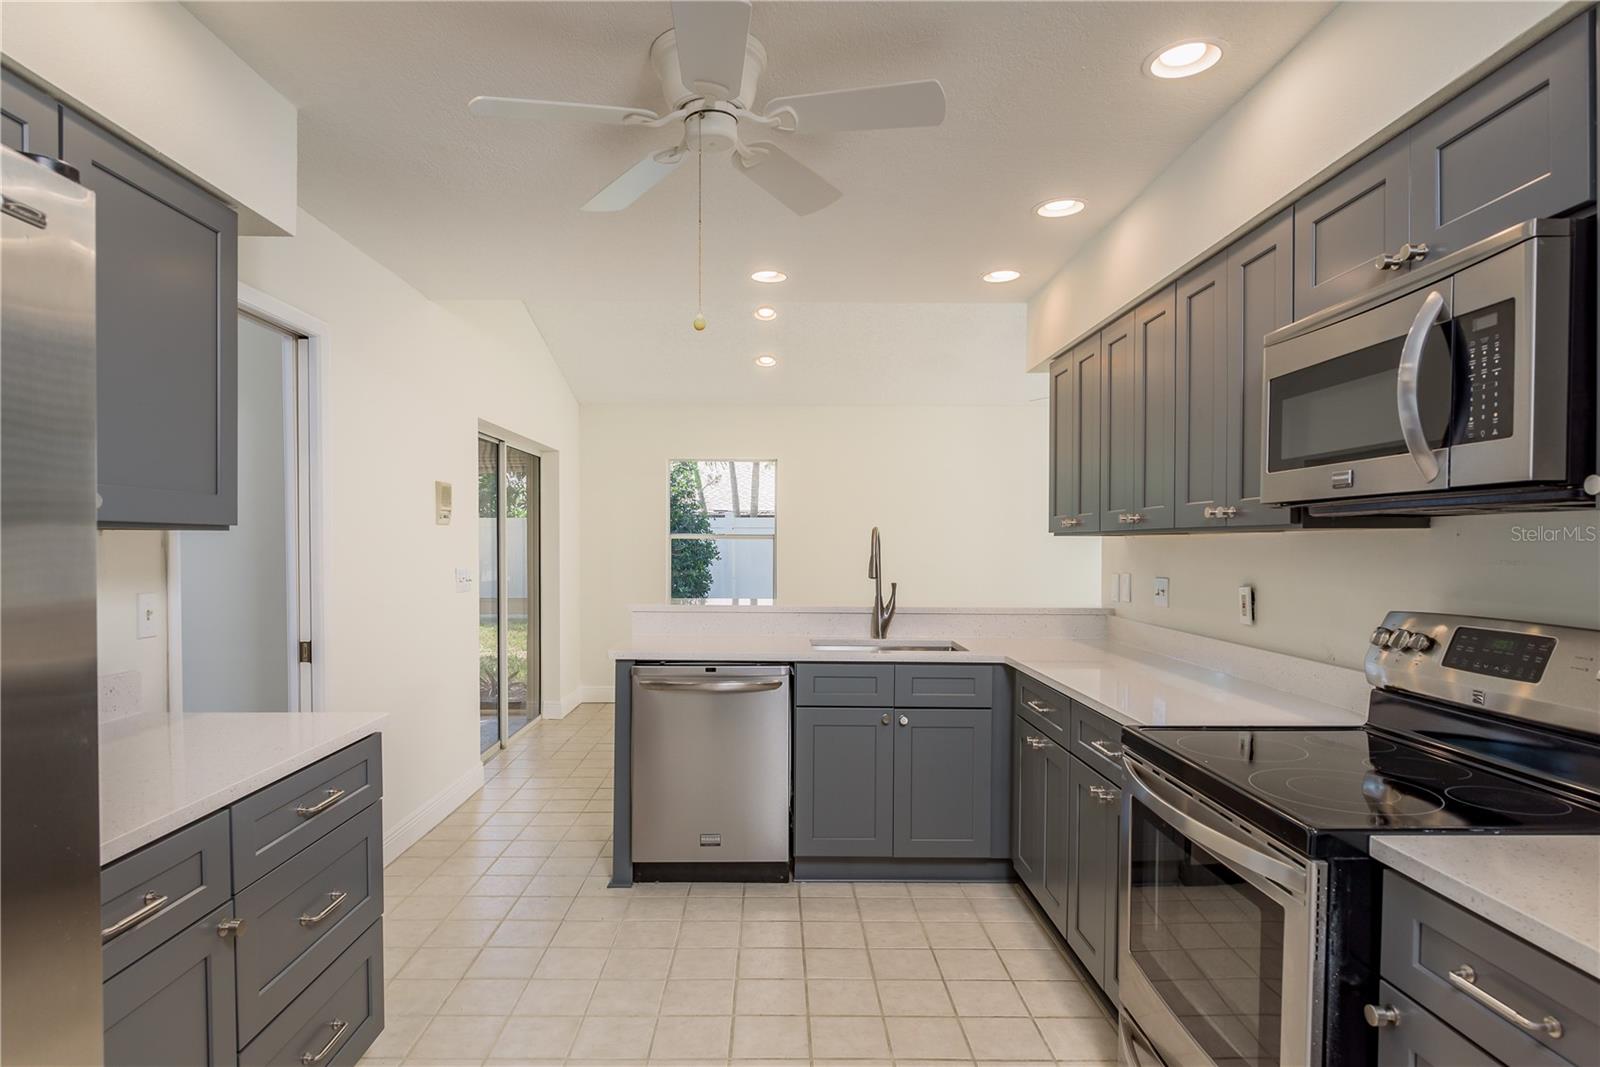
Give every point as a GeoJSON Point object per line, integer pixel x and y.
{"type": "Point", "coordinates": [503, 946]}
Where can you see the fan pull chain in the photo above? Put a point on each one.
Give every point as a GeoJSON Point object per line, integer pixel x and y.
{"type": "Point", "coordinates": [700, 223]}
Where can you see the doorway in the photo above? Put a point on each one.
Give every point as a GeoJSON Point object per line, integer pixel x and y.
{"type": "Point", "coordinates": [242, 624]}
{"type": "Point", "coordinates": [509, 667]}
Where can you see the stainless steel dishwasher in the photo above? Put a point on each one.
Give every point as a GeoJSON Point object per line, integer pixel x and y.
{"type": "Point", "coordinates": [711, 772]}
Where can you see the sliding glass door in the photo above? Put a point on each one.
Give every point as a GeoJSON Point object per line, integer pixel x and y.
{"type": "Point", "coordinates": [508, 591]}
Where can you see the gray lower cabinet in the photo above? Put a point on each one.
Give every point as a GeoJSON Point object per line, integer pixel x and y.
{"type": "Point", "coordinates": [29, 120]}
{"type": "Point", "coordinates": [1421, 1040]}
{"type": "Point", "coordinates": [175, 1007]}
{"type": "Point", "coordinates": [1092, 834]}
{"type": "Point", "coordinates": [1040, 796]}
{"type": "Point", "coordinates": [1343, 226]}
{"type": "Point", "coordinates": [1076, 396]}
{"type": "Point", "coordinates": [166, 294]}
{"type": "Point", "coordinates": [942, 782]}
{"type": "Point", "coordinates": [334, 1021]}
{"type": "Point", "coordinates": [150, 896]}
{"type": "Point", "coordinates": [843, 782]}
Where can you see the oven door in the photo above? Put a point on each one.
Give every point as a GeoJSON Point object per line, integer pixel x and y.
{"type": "Point", "coordinates": [1361, 406]}
{"type": "Point", "coordinates": [1219, 943]}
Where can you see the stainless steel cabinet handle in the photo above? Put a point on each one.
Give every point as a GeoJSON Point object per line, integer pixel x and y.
{"type": "Point", "coordinates": [1135, 518]}
{"type": "Point", "coordinates": [1106, 750]}
{"type": "Point", "coordinates": [885, 719]}
{"type": "Point", "coordinates": [334, 796]}
{"type": "Point", "coordinates": [1398, 259]}
{"type": "Point", "coordinates": [692, 685]}
{"type": "Point", "coordinates": [1067, 523]}
{"type": "Point", "coordinates": [1465, 979]}
{"type": "Point", "coordinates": [1103, 795]}
{"type": "Point", "coordinates": [339, 1027]}
{"type": "Point", "coordinates": [1227, 512]}
{"type": "Point", "coordinates": [153, 902]}
{"type": "Point", "coordinates": [335, 899]}
{"type": "Point", "coordinates": [1036, 742]}
{"type": "Point", "coordinates": [230, 927]}
{"type": "Point", "coordinates": [1386, 1015]}
{"type": "Point", "coordinates": [1405, 388]}
{"type": "Point", "coordinates": [904, 721]}
{"type": "Point", "coordinates": [1211, 512]}
{"type": "Point", "coordinates": [1042, 709]}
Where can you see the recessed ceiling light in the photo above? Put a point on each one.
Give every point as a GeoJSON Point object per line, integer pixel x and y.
{"type": "Point", "coordinates": [766, 361]}
{"type": "Point", "coordinates": [1184, 59]}
{"type": "Point", "coordinates": [769, 277]}
{"type": "Point", "coordinates": [1059, 209]}
{"type": "Point", "coordinates": [997, 276]}
{"type": "Point", "coordinates": [766, 314]}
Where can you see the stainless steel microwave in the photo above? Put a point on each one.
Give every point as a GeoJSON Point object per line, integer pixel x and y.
{"type": "Point", "coordinates": [1465, 385]}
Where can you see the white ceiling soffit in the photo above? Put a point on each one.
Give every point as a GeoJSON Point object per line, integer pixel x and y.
{"type": "Point", "coordinates": [1045, 99]}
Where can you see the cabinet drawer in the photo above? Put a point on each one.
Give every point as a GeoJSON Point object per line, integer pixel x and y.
{"type": "Point", "coordinates": [335, 1019]}
{"type": "Point", "coordinates": [1097, 741]}
{"type": "Point", "coordinates": [1427, 939]}
{"type": "Point", "coordinates": [299, 918]}
{"type": "Point", "coordinates": [1419, 1039]}
{"type": "Point", "coordinates": [930, 685]}
{"type": "Point", "coordinates": [176, 1005]}
{"type": "Point", "coordinates": [844, 685]}
{"type": "Point", "coordinates": [287, 816]}
{"type": "Point", "coordinates": [1044, 709]}
{"type": "Point", "coordinates": [161, 890]}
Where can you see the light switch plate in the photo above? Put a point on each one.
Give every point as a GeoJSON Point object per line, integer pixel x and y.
{"type": "Point", "coordinates": [1125, 587]}
{"type": "Point", "coordinates": [1161, 592]}
{"type": "Point", "coordinates": [441, 503]}
{"type": "Point", "coordinates": [149, 606]}
{"type": "Point", "coordinates": [1247, 605]}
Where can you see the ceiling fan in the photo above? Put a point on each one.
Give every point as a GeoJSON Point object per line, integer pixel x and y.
{"type": "Point", "coordinates": [709, 66]}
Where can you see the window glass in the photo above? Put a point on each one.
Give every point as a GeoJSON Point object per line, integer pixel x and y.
{"type": "Point", "coordinates": [722, 525]}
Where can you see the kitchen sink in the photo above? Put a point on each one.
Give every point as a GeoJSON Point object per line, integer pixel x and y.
{"type": "Point", "coordinates": [852, 644]}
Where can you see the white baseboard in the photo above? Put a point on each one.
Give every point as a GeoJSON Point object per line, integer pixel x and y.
{"type": "Point", "coordinates": [596, 694]}
{"type": "Point", "coordinates": [411, 829]}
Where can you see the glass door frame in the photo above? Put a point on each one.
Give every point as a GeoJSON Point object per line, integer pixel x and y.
{"type": "Point", "coordinates": [534, 669]}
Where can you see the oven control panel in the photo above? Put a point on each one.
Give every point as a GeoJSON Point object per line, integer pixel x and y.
{"type": "Point", "coordinates": [1499, 653]}
{"type": "Point", "coordinates": [1488, 380]}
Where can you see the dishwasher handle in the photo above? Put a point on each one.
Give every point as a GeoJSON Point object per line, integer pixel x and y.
{"type": "Point", "coordinates": [710, 685]}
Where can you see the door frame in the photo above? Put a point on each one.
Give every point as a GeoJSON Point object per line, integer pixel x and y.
{"type": "Point", "coordinates": [504, 439]}
{"type": "Point", "coordinates": [306, 623]}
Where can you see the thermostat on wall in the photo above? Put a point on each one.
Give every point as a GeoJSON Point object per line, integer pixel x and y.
{"type": "Point", "coordinates": [441, 503]}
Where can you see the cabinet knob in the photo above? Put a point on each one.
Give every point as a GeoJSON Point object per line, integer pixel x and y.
{"type": "Point", "coordinates": [885, 719]}
{"type": "Point", "coordinates": [1381, 1015]}
{"type": "Point", "coordinates": [904, 721]}
{"type": "Point", "coordinates": [230, 927]}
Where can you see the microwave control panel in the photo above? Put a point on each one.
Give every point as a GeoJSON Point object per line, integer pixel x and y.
{"type": "Point", "coordinates": [1487, 371]}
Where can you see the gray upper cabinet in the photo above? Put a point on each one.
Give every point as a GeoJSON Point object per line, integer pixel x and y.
{"type": "Point", "coordinates": [1119, 439]}
{"type": "Point", "coordinates": [942, 780]}
{"type": "Point", "coordinates": [1260, 294]}
{"type": "Point", "coordinates": [1200, 390]}
{"type": "Point", "coordinates": [1153, 357]}
{"type": "Point", "coordinates": [176, 1005]}
{"type": "Point", "coordinates": [166, 297]}
{"type": "Point", "coordinates": [1517, 145]}
{"type": "Point", "coordinates": [844, 782]}
{"type": "Point", "coordinates": [29, 120]}
{"type": "Point", "coordinates": [1342, 227]}
{"type": "Point", "coordinates": [1076, 395]}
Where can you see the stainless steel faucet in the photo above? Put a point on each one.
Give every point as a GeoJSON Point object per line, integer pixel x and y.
{"type": "Point", "coordinates": [881, 613]}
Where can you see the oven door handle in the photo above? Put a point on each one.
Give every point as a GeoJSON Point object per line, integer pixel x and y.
{"type": "Point", "coordinates": [1405, 389]}
{"type": "Point", "coordinates": [1288, 878]}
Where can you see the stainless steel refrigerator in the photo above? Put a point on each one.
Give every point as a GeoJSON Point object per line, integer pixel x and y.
{"type": "Point", "coordinates": [49, 743]}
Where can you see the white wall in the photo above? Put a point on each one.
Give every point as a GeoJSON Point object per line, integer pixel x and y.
{"type": "Point", "coordinates": [132, 669]}
{"type": "Point", "coordinates": [1367, 69]}
{"type": "Point", "coordinates": [407, 381]}
{"type": "Point", "coordinates": [959, 494]}
{"type": "Point", "coordinates": [154, 72]}
{"type": "Point", "coordinates": [1319, 593]}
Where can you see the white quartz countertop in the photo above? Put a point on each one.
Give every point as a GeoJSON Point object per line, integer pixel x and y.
{"type": "Point", "coordinates": [1546, 890]}
{"type": "Point", "coordinates": [1129, 684]}
{"type": "Point", "coordinates": [161, 772]}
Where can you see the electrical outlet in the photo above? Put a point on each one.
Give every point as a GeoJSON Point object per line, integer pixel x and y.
{"type": "Point", "coordinates": [1247, 605]}
{"type": "Point", "coordinates": [1125, 584]}
{"type": "Point", "coordinates": [1161, 592]}
{"type": "Point", "coordinates": [149, 606]}
{"type": "Point", "coordinates": [463, 580]}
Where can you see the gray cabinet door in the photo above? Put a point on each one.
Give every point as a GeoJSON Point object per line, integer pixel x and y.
{"type": "Point", "coordinates": [1119, 440]}
{"type": "Point", "coordinates": [1027, 806]}
{"type": "Point", "coordinates": [166, 292]}
{"type": "Point", "coordinates": [29, 120]}
{"type": "Point", "coordinates": [1154, 359]}
{"type": "Point", "coordinates": [1518, 145]}
{"type": "Point", "coordinates": [1076, 390]}
{"type": "Point", "coordinates": [1260, 291]}
{"type": "Point", "coordinates": [176, 1005]}
{"type": "Point", "coordinates": [166, 886]}
{"type": "Point", "coordinates": [943, 685]}
{"type": "Point", "coordinates": [1342, 227]}
{"type": "Point", "coordinates": [942, 780]}
{"type": "Point", "coordinates": [1091, 836]}
{"type": "Point", "coordinates": [1200, 397]}
{"type": "Point", "coordinates": [843, 782]}
{"type": "Point", "coordinates": [1421, 1040]}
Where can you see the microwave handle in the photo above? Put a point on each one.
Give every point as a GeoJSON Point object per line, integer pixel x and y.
{"type": "Point", "coordinates": [1416, 437]}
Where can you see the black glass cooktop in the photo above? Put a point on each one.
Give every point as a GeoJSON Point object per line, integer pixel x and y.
{"type": "Point", "coordinates": [1313, 788]}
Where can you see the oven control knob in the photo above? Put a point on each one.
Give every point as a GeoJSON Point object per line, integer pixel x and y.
{"type": "Point", "coordinates": [1380, 635]}
{"type": "Point", "coordinates": [1418, 643]}
{"type": "Point", "coordinates": [1397, 639]}
{"type": "Point", "coordinates": [1381, 1015]}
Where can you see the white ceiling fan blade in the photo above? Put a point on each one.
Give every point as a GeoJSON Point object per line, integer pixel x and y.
{"type": "Point", "coordinates": [511, 107]}
{"type": "Point", "coordinates": [636, 181]}
{"type": "Point", "coordinates": [877, 107]}
{"type": "Point", "coordinates": [711, 36]}
{"type": "Point", "coordinates": [789, 181]}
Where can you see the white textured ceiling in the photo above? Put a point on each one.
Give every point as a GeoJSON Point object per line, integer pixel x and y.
{"type": "Point", "coordinates": [1045, 99]}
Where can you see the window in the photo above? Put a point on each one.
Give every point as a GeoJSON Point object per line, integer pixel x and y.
{"type": "Point", "coordinates": [722, 526]}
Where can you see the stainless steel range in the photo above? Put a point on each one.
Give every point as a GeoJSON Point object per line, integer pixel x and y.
{"type": "Point", "coordinates": [1250, 908]}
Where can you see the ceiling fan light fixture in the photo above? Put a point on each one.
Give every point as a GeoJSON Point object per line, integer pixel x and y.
{"type": "Point", "coordinates": [766, 360]}
{"type": "Point", "coordinates": [766, 313]}
{"type": "Point", "coordinates": [998, 277]}
{"type": "Point", "coordinates": [1059, 208]}
{"type": "Point", "coordinates": [1184, 59]}
{"type": "Point", "coordinates": [769, 277]}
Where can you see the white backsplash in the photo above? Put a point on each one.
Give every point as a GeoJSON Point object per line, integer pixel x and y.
{"type": "Point", "coordinates": [679, 620]}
